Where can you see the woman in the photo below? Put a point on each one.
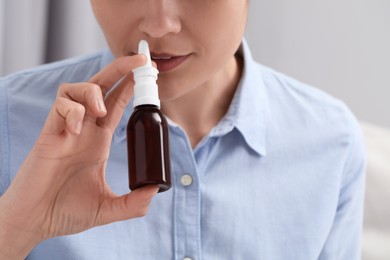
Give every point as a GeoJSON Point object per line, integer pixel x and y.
{"type": "Point", "coordinates": [263, 167]}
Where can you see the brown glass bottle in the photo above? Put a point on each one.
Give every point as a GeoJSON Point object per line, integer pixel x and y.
{"type": "Point", "coordinates": [148, 148]}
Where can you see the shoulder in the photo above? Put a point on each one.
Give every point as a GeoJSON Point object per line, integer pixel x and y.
{"type": "Point", "coordinates": [303, 104]}
{"type": "Point", "coordinates": [296, 94]}
{"type": "Point", "coordinates": [32, 90]}
{"type": "Point", "coordinates": [312, 117]}
{"type": "Point", "coordinates": [69, 70]}
{"type": "Point", "coordinates": [38, 86]}
{"type": "Point", "coordinates": [77, 67]}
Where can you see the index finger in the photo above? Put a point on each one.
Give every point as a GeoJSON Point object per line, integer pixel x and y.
{"type": "Point", "coordinates": [112, 73]}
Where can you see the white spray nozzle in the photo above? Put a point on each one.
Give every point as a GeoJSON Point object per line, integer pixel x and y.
{"type": "Point", "coordinates": [143, 48]}
{"type": "Point", "coordinates": [145, 89]}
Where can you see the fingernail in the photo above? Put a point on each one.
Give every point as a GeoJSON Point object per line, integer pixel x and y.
{"type": "Point", "coordinates": [101, 106]}
{"type": "Point", "coordinates": [78, 126]}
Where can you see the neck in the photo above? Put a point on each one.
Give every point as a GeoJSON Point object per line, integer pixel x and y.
{"type": "Point", "coordinates": [201, 110]}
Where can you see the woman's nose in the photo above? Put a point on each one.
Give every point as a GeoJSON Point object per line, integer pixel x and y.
{"type": "Point", "coordinates": [160, 19]}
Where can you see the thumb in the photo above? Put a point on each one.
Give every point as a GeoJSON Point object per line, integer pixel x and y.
{"type": "Point", "coordinates": [132, 205]}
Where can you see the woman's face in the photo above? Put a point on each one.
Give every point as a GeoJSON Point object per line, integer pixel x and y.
{"type": "Point", "coordinates": [193, 42]}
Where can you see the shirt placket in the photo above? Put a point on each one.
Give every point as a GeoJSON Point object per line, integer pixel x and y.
{"type": "Point", "coordinates": [187, 204]}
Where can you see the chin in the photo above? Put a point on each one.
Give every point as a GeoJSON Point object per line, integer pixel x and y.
{"type": "Point", "coordinates": [173, 88]}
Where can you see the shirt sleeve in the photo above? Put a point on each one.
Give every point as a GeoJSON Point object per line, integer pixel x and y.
{"type": "Point", "coordinates": [344, 238]}
{"type": "Point", "coordinates": [4, 151]}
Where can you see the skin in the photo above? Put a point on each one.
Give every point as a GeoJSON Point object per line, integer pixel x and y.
{"type": "Point", "coordinates": [63, 176]}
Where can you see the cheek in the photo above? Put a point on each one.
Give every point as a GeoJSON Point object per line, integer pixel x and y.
{"type": "Point", "coordinates": [105, 24]}
{"type": "Point", "coordinates": [224, 29]}
{"type": "Point", "coordinates": [117, 27]}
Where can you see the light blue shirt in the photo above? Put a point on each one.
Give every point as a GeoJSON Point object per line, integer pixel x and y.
{"type": "Point", "coordinates": [280, 177]}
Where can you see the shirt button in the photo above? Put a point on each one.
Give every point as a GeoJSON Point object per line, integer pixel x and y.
{"type": "Point", "coordinates": [187, 258]}
{"type": "Point", "coordinates": [186, 180]}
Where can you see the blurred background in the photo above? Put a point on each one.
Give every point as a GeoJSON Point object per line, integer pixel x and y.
{"type": "Point", "coordinates": [342, 47]}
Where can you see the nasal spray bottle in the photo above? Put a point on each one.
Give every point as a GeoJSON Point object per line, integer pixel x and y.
{"type": "Point", "coordinates": [147, 131]}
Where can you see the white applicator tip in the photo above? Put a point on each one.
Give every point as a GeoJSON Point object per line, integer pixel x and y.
{"type": "Point", "coordinates": [145, 77]}
{"type": "Point", "coordinates": [143, 48]}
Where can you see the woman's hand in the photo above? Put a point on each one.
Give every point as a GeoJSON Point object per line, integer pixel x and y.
{"type": "Point", "coordinates": [61, 188]}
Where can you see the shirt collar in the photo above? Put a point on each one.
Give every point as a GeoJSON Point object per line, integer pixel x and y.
{"type": "Point", "coordinates": [247, 112]}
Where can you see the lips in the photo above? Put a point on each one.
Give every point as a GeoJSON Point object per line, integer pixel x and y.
{"type": "Point", "coordinates": [166, 62]}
